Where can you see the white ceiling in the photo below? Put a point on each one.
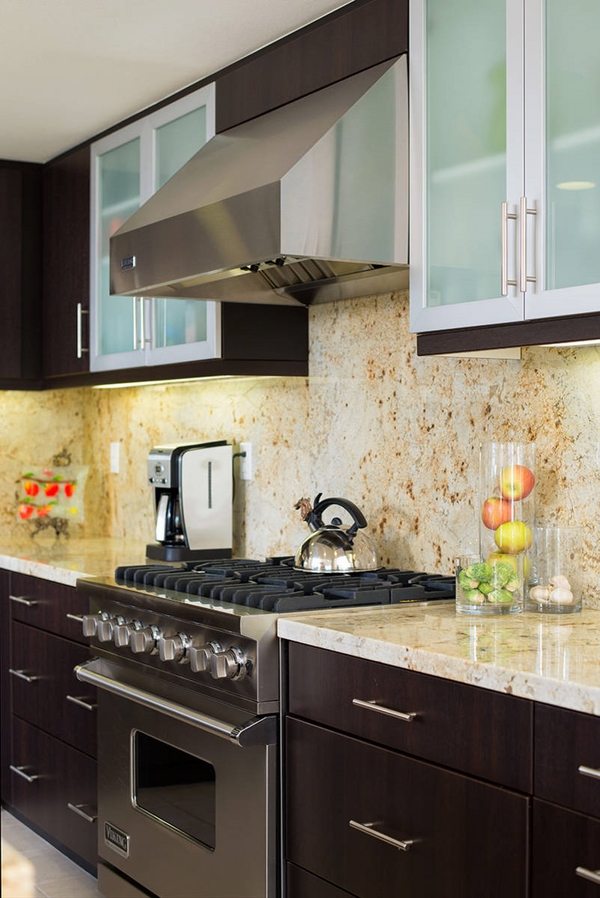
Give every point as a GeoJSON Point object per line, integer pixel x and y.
{"type": "Point", "coordinates": [71, 68]}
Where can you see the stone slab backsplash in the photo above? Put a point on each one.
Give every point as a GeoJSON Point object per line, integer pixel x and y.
{"type": "Point", "coordinates": [397, 434]}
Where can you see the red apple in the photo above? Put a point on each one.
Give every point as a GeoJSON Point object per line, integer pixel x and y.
{"type": "Point", "coordinates": [516, 482]}
{"type": "Point", "coordinates": [69, 489]}
{"type": "Point", "coordinates": [31, 488]}
{"type": "Point", "coordinates": [25, 511]}
{"type": "Point", "coordinates": [51, 489]}
{"type": "Point", "coordinates": [496, 511]}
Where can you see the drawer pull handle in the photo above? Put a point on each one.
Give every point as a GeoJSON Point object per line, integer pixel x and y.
{"type": "Point", "coordinates": [381, 709]}
{"type": "Point", "coordinates": [76, 617]}
{"type": "Point", "coordinates": [367, 829]}
{"type": "Point", "coordinates": [81, 702]}
{"type": "Point", "coordinates": [78, 809]}
{"type": "Point", "coordinates": [20, 771]}
{"type": "Point", "coordinates": [29, 678]}
{"type": "Point", "coordinates": [590, 875]}
{"type": "Point", "coordinates": [589, 771]}
{"type": "Point", "coordinates": [22, 600]}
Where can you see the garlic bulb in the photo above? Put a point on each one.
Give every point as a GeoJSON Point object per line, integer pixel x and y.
{"type": "Point", "coordinates": [539, 594]}
{"type": "Point", "coordinates": [560, 582]}
{"type": "Point", "coordinates": [561, 596]}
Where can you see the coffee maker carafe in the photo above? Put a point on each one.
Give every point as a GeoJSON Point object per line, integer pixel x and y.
{"type": "Point", "coordinates": [192, 485]}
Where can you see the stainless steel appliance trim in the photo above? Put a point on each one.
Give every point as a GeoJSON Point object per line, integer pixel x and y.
{"type": "Point", "coordinates": [22, 600]}
{"type": "Point", "coordinates": [20, 771]}
{"type": "Point", "coordinates": [78, 809]}
{"type": "Point", "coordinates": [590, 875]}
{"type": "Point", "coordinates": [505, 215]}
{"type": "Point", "coordinates": [367, 829]}
{"type": "Point", "coordinates": [594, 772]}
{"type": "Point", "coordinates": [89, 706]}
{"type": "Point", "coordinates": [29, 678]}
{"type": "Point", "coordinates": [257, 731]}
{"type": "Point", "coordinates": [407, 717]}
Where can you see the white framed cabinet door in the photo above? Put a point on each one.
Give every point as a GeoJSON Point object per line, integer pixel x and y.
{"type": "Point", "coordinates": [467, 162]}
{"type": "Point", "coordinates": [127, 167]}
{"type": "Point", "coordinates": [562, 170]}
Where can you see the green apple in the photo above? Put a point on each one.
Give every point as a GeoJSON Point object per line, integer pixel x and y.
{"type": "Point", "coordinates": [513, 537]}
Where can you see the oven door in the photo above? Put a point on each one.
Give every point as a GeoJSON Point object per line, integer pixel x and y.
{"type": "Point", "coordinates": [186, 788]}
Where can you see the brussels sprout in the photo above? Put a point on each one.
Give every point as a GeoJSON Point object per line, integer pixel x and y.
{"type": "Point", "coordinates": [500, 596]}
{"type": "Point", "coordinates": [486, 588]}
{"type": "Point", "coordinates": [513, 584]}
{"type": "Point", "coordinates": [481, 572]}
{"type": "Point", "coordinates": [473, 596]}
{"type": "Point", "coordinates": [503, 572]}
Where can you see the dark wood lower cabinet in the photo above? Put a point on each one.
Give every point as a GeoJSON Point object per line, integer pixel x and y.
{"type": "Point", "coordinates": [564, 842]}
{"type": "Point", "coordinates": [453, 836]}
{"type": "Point", "coordinates": [301, 884]}
{"type": "Point", "coordinates": [54, 786]}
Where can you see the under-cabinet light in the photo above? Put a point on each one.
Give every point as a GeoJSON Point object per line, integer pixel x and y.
{"type": "Point", "coordinates": [573, 343]}
{"type": "Point", "coordinates": [189, 380]}
{"type": "Point", "coordinates": [576, 185]}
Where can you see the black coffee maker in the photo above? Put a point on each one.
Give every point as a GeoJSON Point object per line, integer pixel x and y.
{"type": "Point", "coordinates": [192, 485]}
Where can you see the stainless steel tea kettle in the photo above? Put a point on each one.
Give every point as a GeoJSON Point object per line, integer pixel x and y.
{"type": "Point", "coordinates": [332, 548]}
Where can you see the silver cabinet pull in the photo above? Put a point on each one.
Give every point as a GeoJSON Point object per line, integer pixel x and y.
{"type": "Point", "coordinates": [367, 829]}
{"type": "Point", "coordinates": [78, 809]}
{"type": "Point", "coordinates": [22, 600]}
{"type": "Point", "coordinates": [20, 771]}
{"type": "Point", "coordinates": [142, 322]}
{"type": "Point", "coordinates": [76, 617]}
{"type": "Point", "coordinates": [505, 215]}
{"type": "Point", "coordinates": [381, 709]}
{"type": "Point", "coordinates": [524, 278]}
{"type": "Point", "coordinates": [89, 706]}
{"type": "Point", "coordinates": [29, 678]}
{"type": "Point", "coordinates": [81, 349]}
{"type": "Point", "coordinates": [590, 875]}
{"type": "Point", "coordinates": [594, 772]}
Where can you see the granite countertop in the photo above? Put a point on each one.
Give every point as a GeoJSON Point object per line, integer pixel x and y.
{"type": "Point", "coordinates": [65, 560]}
{"type": "Point", "coordinates": [549, 658]}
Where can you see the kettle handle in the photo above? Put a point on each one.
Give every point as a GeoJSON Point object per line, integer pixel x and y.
{"type": "Point", "coordinates": [352, 509]}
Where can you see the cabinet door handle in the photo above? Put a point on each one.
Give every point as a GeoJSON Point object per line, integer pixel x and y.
{"type": "Point", "coordinates": [590, 875]}
{"type": "Point", "coordinates": [89, 706]}
{"type": "Point", "coordinates": [23, 600]}
{"type": "Point", "coordinates": [367, 829]}
{"type": "Point", "coordinates": [81, 349]}
{"type": "Point", "coordinates": [76, 617]}
{"type": "Point", "coordinates": [505, 215]}
{"type": "Point", "coordinates": [594, 772]}
{"type": "Point", "coordinates": [524, 278]}
{"type": "Point", "coordinates": [29, 678]}
{"type": "Point", "coordinates": [381, 709]}
{"type": "Point", "coordinates": [78, 809]}
{"type": "Point", "coordinates": [20, 771]}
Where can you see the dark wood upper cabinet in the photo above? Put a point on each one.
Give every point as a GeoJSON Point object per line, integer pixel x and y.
{"type": "Point", "coordinates": [354, 38]}
{"type": "Point", "coordinates": [20, 274]}
{"type": "Point", "coordinates": [66, 262]}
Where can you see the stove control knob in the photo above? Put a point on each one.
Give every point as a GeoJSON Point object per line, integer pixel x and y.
{"type": "Point", "coordinates": [90, 623]}
{"type": "Point", "coordinates": [104, 629]}
{"type": "Point", "coordinates": [173, 648]}
{"type": "Point", "coordinates": [230, 665]}
{"type": "Point", "coordinates": [123, 631]}
{"type": "Point", "coordinates": [143, 642]}
{"type": "Point", "coordinates": [200, 657]}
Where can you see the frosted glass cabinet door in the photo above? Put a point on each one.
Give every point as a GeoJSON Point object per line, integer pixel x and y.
{"type": "Point", "coordinates": [562, 172]}
{"type": "Point", "coordinates": [466, 160]}
{"type": "Point", "coordinates": [116, 194]}
{"type": "Point", "coordinates": [181, 329]}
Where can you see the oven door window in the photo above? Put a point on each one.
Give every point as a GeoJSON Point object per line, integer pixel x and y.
{"type": "Point", "coordinates": [174, 787]}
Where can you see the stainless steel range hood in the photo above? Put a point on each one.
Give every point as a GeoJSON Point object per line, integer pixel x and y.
{"type": "Point", "coordinates": [304, 204]}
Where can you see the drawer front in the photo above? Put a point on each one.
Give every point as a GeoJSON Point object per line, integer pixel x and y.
{"type": "Point", "coordinates": [564, 842]}
{"type": "Point", "coordinates": [301, 884]}
{"type": "Point", "coordinates": [473, 730]}
{"type": "Point", "coordinates": [59, 775]}
{"type": "Point", "coordinates": [468, 839]}
{"type": "Point", "coordinates": [47, 662]}
{"type": "Point", "coordinates": [47, 605]}
{"type": "Point", "coordinates": [565, 742]}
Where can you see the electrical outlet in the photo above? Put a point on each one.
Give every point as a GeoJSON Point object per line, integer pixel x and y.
{"type": "Point", "coordinates": [115, 458]}
{"type": "Point", "coordinates": [246, 466]}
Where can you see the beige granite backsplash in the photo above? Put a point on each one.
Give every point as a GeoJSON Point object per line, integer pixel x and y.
{"type": "Point", "coordinates": [397, 434]}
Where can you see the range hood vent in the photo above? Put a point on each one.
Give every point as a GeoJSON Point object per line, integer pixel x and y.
{"type": "Point", "coordinates": [305, 204]}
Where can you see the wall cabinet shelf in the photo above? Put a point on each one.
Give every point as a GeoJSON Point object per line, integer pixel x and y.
{"type": "Point", "coordinates": [505, 156]}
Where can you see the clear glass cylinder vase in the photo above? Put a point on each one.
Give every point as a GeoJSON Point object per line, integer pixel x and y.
{"type": "Point", "coordinates": [552, 585]}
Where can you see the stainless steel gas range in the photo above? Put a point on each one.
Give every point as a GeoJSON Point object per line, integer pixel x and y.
{"type": "Point", "coordinates": [187, 669]}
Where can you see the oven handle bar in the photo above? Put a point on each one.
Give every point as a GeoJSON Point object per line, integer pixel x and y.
{"type": "Point", "coordinates": [256, 731]}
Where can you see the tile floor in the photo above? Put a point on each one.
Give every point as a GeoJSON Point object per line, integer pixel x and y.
{"type": "Point", "coordinates": [55, 875]}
